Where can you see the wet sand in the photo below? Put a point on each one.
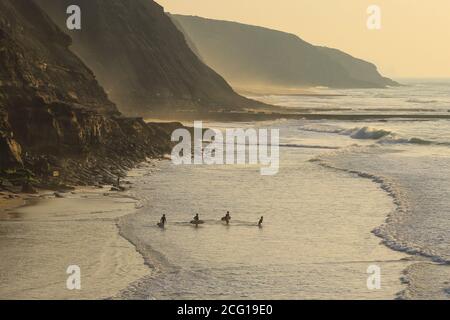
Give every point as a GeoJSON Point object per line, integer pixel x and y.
{"type": "Point", "coordinates": [41, 239]}
{"type": "Point", "coordinates": [10, 203]}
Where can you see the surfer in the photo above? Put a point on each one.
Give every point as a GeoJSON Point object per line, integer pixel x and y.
{"type": "Point", "coordinates": [196, 221]}
{"type": "Point", "coordinates": [260, 222]}
{"type": "Point", "coordinates": [227, 218]}
{"type": "Point", "coordinates": [162, 221]}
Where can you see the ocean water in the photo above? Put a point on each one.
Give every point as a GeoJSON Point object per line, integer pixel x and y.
{"type": "Point", "coordinates": [349, 195]}
{"type": "Point", "coordinates": [414, 96]}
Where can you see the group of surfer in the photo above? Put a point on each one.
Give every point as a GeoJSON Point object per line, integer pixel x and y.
{"type": "Point", "coordinates": [196, 220]}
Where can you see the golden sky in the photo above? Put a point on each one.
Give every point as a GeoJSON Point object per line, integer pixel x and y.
{"type": "Point", "coordinates": [414, 40]}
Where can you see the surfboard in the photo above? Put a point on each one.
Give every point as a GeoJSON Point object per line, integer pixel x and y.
{"type": "Point", "coordinates": [161, 225]}
{"type": "Point", "coordinates": [197, 222]}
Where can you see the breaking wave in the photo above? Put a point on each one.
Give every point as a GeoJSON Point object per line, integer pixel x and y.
{"type": "Point", "coordinates": [306, 146]}
{"type": "Point", "coordinates": [421, 101]}
{"type": "Point", "coordinates": [355, 133]}
{"type": "Point", "coordinates": [367, 133]}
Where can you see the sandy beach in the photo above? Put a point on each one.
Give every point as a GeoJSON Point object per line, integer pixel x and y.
{"type": "Point", "coordinates": [9, 201]}
{"type": "Point", "coordinates": [41, 236]}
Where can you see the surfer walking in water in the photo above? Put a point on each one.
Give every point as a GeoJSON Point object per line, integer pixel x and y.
{"type": "Point", "coordinates": [227, 218]}
{"type": "Point", "coordinates": [196, 221]}
{"type": "Point", "coordinates": [260, 222]}
{"type": "Point", "coordinates": [162, 221]}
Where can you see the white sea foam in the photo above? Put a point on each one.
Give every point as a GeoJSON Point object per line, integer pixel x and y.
{"type": "Point", "coordinates": [417, 182]}
{"type": "Point", "coordinates": [382, 136]}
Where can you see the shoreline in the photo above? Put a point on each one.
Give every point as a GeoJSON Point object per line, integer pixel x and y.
{"type": "Point", "coordinates": [7, 203]}
{"type": "Point", "coordinates": [20, 201]}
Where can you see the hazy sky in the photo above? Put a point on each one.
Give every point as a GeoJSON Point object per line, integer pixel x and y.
{"type": "Point", "coordinates": [414, 40]}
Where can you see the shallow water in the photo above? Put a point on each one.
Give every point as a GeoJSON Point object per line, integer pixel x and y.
{"type": "Point", "coordinates": [338, 182]}
{"type": "Point", "coordinates": [316, 242]}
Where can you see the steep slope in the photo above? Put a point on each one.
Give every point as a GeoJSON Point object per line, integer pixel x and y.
{"type": "Point", "coordinates": [357, 68]}
{"type": "Point", "coordinates": [141, 58]}
{"type": "Point", "coordinates": [189, 41]}
{"type": "Point", "coordinates": [250, 56]}
{"type": "Point", "coordinates": [56, 122]}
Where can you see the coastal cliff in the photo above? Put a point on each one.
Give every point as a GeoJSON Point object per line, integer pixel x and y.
{"type": "Point", "coordinates": [256, 57]}
{"type": "Point", "coordinates": [57, 125]}
{"type": "Point", "coordinates": [142, 60]}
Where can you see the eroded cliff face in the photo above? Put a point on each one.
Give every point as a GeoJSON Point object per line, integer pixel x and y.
{"type": "Point", "coordinates": [10, 150]}
{"type": "Point", "coordinates": [142, 59]}
{"type": "Point", "coordinates": [56, 121]}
